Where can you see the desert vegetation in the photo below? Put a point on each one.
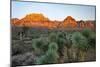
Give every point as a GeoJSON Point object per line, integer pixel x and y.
{"type": "Point", "coordinates": [66, 42]}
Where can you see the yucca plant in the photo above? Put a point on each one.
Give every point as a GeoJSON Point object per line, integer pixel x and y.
{"type": "Point", "coordinates": [92, 40]}
{"type": "Point", "coordinates": [40, 45]}
{"type": "Point", "coordinates": [51, 56]}
{"type": "Point", "coordinates": [91, 37]}
{"type": "Point", "coordinates": [80, 42]}
{"type": "Point", "coordinates": [68, 45]}
{"type": "Point", "coordinates": [61, 41]}
{"type": "Point", "coordinates": [87, 32]}
{"type": "Point", "coordinates": [52, 37]}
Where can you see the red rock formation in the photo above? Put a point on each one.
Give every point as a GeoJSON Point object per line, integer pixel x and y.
{"type": "Point", "coordinates": [90, 24]}
{"type": "Point", "coordinates": [14, 20]}
{"type": "Point", "coordinates": [39, 20]}
{"type": "Point", "coordinates": [86, 24]}
{"type": "Point", "coordinates": [34, 17]}
{"type": "Point", "coordinates": [69, 22]}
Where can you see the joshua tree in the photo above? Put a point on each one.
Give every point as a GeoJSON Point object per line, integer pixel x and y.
{"type": "Point", "coordinates": [80, 42]}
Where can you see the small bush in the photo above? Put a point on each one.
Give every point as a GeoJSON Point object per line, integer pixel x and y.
{"type": "Point", "coordinates": [23, 59]}
{"type": "Point", "coordinates": [91, 37]}
{"type": "Point", "coordinates": [52, 37]}
{"type": "Point", "coordinates": [68, 40]}
{"type": "Point", "coordinates": [40, 45]}
{"type": "Point", "coordinates": [79, 41]}
{"type": "Point", "coordinates": [20, 47]}
{"type": "Point", "coordinates": [87, 32]}
{"type": "Point", "coordinates": [51, 55]}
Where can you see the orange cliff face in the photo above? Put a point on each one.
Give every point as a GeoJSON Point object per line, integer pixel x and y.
{"type": "Point", "coordinates": [31, 20]}
{"type": "Point", "coordinates": [39, 20]}
{"type": "Point", "coordinates": [69, 22]}
{"type": "Point", "coordinates": [34, 20]}
{"type": "Point", "coordinates": [36, 17]}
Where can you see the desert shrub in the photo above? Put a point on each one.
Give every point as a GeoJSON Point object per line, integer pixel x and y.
{"type": "Point", "coordinates": [23, 59]}
{"type": "Point", "coordinates": [50, 56]}
{"type": "Point", "coordinates": [60, 39]}
{"type": "Point", "coordinates": [40, 45]}
{"type": "Point", "coordinates": [80, 42]}
{"type": "Point", "coordinates": [87, 32]}
{"type": "Point", "coordinates": [52, 37]}
{"type": "Point", "coordinates": [20, 47]}
{"type": "Point", "coordinates": [68, 45]}
{"type": "Point", "coordinates": [61, 43]}
{"type": "Point", "coordinates": [92, 40]}
{"type": "Point", "coordinates": [61, 34]}
{"type": "Point", "coordinates": [53, 46]}
{"type": "Point", "coordinates": [17, 48]}
{"type": "Point", "coordinates": [91, 37]}
{"type": "Point", "coordinates": [68, 40]}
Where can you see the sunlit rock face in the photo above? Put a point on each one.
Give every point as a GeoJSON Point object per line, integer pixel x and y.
{"type": "Point", "coordinates": [69, 22]}
{"type": "Point", "coordinates": [36, 17]}
{"type": "Point", "coordinates": [39, 20]}
{"type": "Point", "coordinates": [32, 20]}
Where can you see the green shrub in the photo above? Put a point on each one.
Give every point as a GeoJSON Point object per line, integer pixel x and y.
{"type": "Point", "coordinates": [92, 40]}
{"type": "Point", "coordinates": [40, 45]}
{"type": "Point", "coordinates": [53, 46]}
{"type": "Point", "coordinates": [91, 37]}
{"type": "Point", "coordinates": [23, 59]}
{"type": "Point", "coordinates": [52, 37]}
{"type": "Point", "coordinates": [61, 41]}
{"type": "Point", "coordinates": [87, 32]}
{"type": "Point", "coordinates": [50, 56]}
{"type": "Point", "coordinates": [20, 47]}
{"type": "Point", "coordinates": [80, 42]}
{"type": "Point", "coordinates": [68, 46]}
{"type": "Point", "coordinates": [68, 40]}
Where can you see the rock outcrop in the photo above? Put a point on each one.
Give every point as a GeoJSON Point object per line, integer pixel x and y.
{"type": "Point", "coordinates": [40, 21]}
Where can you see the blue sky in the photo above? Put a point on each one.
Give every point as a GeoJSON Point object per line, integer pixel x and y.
{"type": "Point", "coordinates": [53, 11]}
